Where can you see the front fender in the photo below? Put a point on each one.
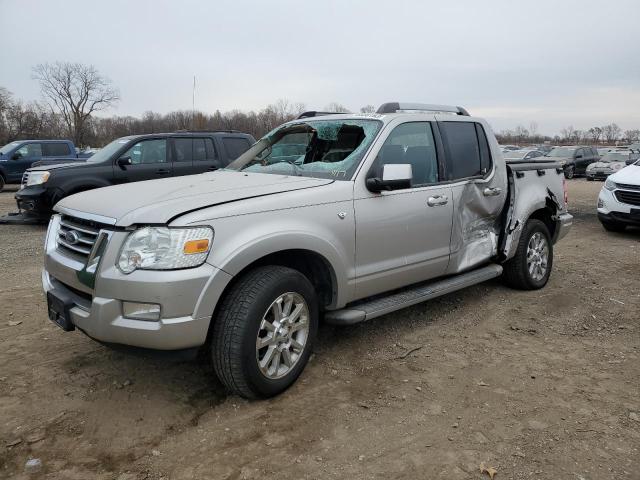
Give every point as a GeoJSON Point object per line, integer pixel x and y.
{"type": "Point", "coordinates": [241, 240]}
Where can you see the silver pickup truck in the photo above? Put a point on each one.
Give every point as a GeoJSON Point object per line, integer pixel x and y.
{"type": "Point", "coordinates": [336, 217]}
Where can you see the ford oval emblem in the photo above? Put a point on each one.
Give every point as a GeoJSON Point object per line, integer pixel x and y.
{"type": "Point", "coordinates": [71, 237]}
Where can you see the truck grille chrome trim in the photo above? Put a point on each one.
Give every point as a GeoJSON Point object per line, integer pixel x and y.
{"type": "Point", "coordinates": [25, 178]}
{"type": "Point", "coordinates": [77, 237]}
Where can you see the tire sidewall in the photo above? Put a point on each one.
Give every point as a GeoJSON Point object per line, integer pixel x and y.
{"type": "Point", "coordinates": [2, 183]}
{"type": "Point", "coordinates": [292, 281]}
{"type": "Point", "coordinates": [569, 172]}
{"type": "Point", "coordinates": [533, 228]}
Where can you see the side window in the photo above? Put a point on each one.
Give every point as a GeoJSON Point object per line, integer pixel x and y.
{"type": "Point", "coordinates": [468, 153]}
{"type": "Point", "coordinates": [55, 150]}
{"type": "Point", "coordinates": [183, 148]}
{"type": "Point", "coordinates": [235, 146]}
{"type": "Point", "coordinates": [199, 150]}
{"type": "Point", "coordinates": [148, 151]}
{"type": "Point", "coordinates": [579, 153]}
{"type": "Point", "coordinates": [412, 143]}
{"type": "Point", "coordinates": [211, 149]}
{"type": "Point", "coordinates": [30, 150]}
{"type": "Point", "coordinates": [485, 153]}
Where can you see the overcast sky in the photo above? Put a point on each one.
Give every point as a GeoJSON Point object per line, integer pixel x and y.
{"type": "Point", "coordinates": [556, 63]}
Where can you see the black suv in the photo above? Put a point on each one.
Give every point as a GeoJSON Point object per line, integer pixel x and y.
{"type": "Point", "coordinates": [574, 159]}
{"type": "Point", "coordinates": [130, 159]}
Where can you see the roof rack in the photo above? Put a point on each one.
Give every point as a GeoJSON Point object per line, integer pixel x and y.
{"type": "Point", "coordinates": [314, 113]}
{"type": "Point", "coordinates": [393, 107]}
{"type": "Point", "coordinates": [208, 131]}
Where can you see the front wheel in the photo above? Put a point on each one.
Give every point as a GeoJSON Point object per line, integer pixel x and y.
{"type": "Point", "coordinates": [530, 268]}
{"type": "Point", "coordinates": [2, 183]}
{"type": "Point", "coordinates": [264, 331]}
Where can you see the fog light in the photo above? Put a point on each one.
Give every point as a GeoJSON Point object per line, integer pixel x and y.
{"type": "Point", "coordinates": [600, 203]}
{"type": "Point", "coordinates": [141, 311]}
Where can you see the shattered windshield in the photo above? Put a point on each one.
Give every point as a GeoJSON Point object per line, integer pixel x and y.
{"type": "Point", "coordinates": [317, 148]}
{"type": "Point", "coordinates": [561, 152]}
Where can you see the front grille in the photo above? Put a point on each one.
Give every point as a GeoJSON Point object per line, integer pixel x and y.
{"type": "Point", "coordinates": [631, 198]}
{"type": "Point", "coordinates": [76, 236]}
{"type": "Point", "coordinates": [626, 186]}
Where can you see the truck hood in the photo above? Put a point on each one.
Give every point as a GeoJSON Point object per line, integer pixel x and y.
{"type": "Point", "coordinates": [42, 165]}
{"type": "Point", "coordinates": [629, 175]}
{"type": "Point", "coordinates": [159, 201]}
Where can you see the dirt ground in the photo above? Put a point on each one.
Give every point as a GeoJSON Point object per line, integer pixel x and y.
{"type": "Point", "coordinates": [539, 384]}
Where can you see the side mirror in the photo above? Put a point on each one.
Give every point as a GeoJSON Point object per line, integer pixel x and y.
{"type": "Point", "coordinates": [16, 156]}
{"type": "Point", "coordinates": [394, 177]}
{"type": "Point", "coordinates": [124, 162]}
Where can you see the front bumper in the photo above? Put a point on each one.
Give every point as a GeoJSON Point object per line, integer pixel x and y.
{"type": "Point", "coordinates": [187, 297]}
{"type": "Point", "coordinates": [618, 217]}
{"type": "Point", "coordinates": [34, 200]}
{"type": "Point", "coordinates": [595, 175]}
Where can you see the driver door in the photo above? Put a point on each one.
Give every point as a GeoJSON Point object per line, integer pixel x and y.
{"type": "Point", "coordinates": [149, 161]}
{"type": "Point", "coordinates": [403, 236]}
{"type": "Point", "coordinates": [21, 159]}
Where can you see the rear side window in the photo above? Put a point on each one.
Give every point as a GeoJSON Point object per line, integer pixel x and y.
{"type": "Point", "coordinates": [211, 149]}
{"type": "Point", "coordinates": [55, 150]}
{"type": "Point", "coordinates": [183, 147]}
{"type": "Point", "coordinates": [235, 146]}
{"type": "Point", "coordinates": [468, 153]}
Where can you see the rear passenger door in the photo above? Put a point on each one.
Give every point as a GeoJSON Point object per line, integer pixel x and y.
{"type": "Point", "coordinates": [402, 236]}
{"type": "Point", "coordinates": [234, 147]}
{"type": "Point", "coordinates": [479, 192]}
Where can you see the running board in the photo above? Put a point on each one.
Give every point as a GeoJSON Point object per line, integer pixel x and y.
{"type": "Point", "coordinates": [378, 306]}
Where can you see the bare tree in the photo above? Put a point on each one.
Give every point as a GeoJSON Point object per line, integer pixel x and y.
{"type": "Point", "coordinates": [567, 133]}
{"type": "Point", "coordinates": [611, 132]}
{"type": "Point", "coordinates": [368, 109]}
{"type": "Point", "coordinates": [595, 133]}
{"type": "Point", "coordinates": [336, 107]}
{"type": "Point", "coordinates": [75, 91]}
{"type": "Point", "coordinates": [632, 136]}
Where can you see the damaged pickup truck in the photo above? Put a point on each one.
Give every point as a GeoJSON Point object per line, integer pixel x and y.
{"type": "Point", "coordinates": [341, 218]}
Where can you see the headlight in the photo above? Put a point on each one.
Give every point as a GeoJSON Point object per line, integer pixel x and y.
{"type": "Point", "coordinates": [163, 248]}
{"type": "Point", "coordinates": [609, 185]}
{"type": "Point", "coordinates": [36, 178]}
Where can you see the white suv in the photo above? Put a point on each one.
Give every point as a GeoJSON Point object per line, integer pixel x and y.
{"type": "Point", "coordinates": [619, 200]}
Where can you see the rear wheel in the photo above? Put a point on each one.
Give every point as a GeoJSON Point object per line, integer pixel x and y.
{"type": "Point", "coordinates": [569, 172]}
{"type": "Point", "coordinates": [264, 331]}
{"type": "Point", "coordinates": [530, 268]}
{"type": "Point", "coordinates": [2, 183]}
{"type": "Point", "coordinates": [613, 226]}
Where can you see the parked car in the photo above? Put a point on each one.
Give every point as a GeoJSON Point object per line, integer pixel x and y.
{"type": "Point", "coordinates": [247, 259]}
{"type": "Point", "coordinates": [543, 148]}
{"type": "Point", "coordinates": [603, 150]}
{"type": "Point", "coordinates": [522, 155]}
{"type": "Point", "coordinates": [16, 157]}
{"type": "Point", "coordinates": [574, 159]}
{"type": "Point", "coordinates": [610, 163]}
{"type": "Point", "coordinates": [130, 159]}
{"type": "Point", "coordinates": [508, 148]}
{"type": "Point", "coordinates": [619, 199]}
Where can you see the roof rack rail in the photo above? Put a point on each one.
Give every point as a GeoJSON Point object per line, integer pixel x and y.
{"type": "Point", "coordinates": [314, 113]}
{"type": "Point", "coordinates": [393, 107]}
{"type": "Point", "coordinates": [208, 131]}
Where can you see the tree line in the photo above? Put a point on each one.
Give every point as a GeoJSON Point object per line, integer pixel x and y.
{"type": "Point", "coordinates": [73, 93]}
{"type": "Point", "coordinates": [610, 134]}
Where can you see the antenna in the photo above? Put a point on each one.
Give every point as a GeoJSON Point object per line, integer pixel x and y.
{"type": "Point", "coordinates": [193, 103]}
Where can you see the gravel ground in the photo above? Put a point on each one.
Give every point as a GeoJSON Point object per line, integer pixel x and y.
{"type": "Point", "coordinates": [534, 384]}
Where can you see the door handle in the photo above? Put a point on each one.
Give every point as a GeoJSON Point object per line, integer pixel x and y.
{"type": "Point", "coordinates": [437, 200]}
{"type": "Point", "coordinates": [163, 171]}
{"type": "Point", "coordinates": [492, 191]}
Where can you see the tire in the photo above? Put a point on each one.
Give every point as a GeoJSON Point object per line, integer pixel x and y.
{"type": "Point", "coordinates": [2, 183]}
{"type": "Point", "coordinates": [569, 172]}
{"type": "Point", "coordinates": [589, 179]}
{"type": "Point", "coordinates": [238, 327]}
{"type": "Point", "coordinates": [613, 226]}
{"type": "Point", "coordinates": [517, 272]}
